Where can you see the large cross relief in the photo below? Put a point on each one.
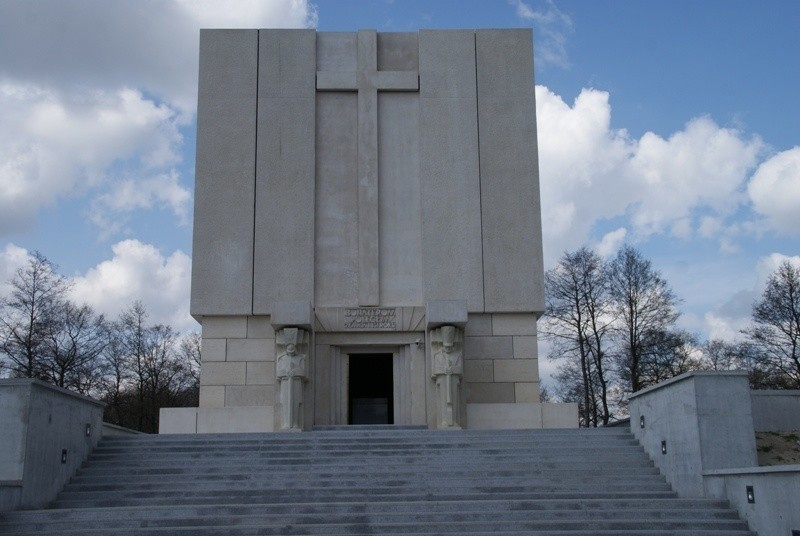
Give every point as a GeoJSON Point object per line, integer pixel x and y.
{"type": "Point", "coordinates": [367, 81]}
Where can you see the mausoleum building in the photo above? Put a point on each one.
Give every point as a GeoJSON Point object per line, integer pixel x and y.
{"type": "Point", "coordinates": [367, 233]}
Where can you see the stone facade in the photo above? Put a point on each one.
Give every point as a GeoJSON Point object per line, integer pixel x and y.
{"type": "Point", "coordinates": [371, 189]}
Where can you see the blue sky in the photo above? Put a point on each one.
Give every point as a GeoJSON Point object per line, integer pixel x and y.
{"type": "Point", "coordinates": [674, 126]}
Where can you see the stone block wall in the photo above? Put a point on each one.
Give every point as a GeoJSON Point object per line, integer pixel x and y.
{"type": "Point", "coordinates": [238, 358]}
{"type": "Point", "coordinates": [501, 359]}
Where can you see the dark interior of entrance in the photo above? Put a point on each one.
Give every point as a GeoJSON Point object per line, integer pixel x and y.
{"type": "Point", "coordinates": [370, 396]}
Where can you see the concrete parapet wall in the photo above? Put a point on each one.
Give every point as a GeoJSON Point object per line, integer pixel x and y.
{"type": "Point", "coordinates": [775, 410]}
{"type": "Point", "coordinates": [47, 433]}
{"type": "Point", "coordinates": [521, 415]}
{"type": "Point", "coordinates": [114, 430]}
{"type": "Point", "coordinates": [695, 422]}
{"type": "Point", "coordinates": [775, 491]}
{"type": "Point", "coordinates": [250, 419]}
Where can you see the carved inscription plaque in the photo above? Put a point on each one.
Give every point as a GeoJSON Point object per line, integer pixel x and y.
{"type": "Point", "coordinates": [370, 318]}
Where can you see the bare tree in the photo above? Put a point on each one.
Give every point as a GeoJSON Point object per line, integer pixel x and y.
{"type": "Point", "coordinates": [37, 293]}
{"type": "Point", "coordinates": [668, 353]}
{"type": "Point", "coordinates": [147, 370]}
{"type": "Point", "coordinates": [190, 356]}
{"type": "Point", "coordinates": [74, 339]}
{"type": "Point", "coordinates": [723, 355]}
{"type": "Point", "coordinates": [645, 305]}
{"type": "Point", "coordinates": [775, 333]}
{"type": "Point", "coordinates": [578, 320]}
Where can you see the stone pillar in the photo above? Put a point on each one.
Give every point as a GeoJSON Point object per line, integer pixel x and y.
{"type": "Point", "coordinates": [447, 350]}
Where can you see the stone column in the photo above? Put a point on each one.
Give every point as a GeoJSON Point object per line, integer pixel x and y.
{"type": "Point", "coordinates": [291, 369]}
{"type": "Point", "coordinates": [447, 349]}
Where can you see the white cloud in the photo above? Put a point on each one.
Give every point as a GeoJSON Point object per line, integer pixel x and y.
{"type": "Point", "coordinates": [734, 314]}
{"type": "Point", "coordinates": [590, 172]}
{"type": "Point", "coordinates": [701, 165]}
{"type": "Point", "coordinates": [95, 89]}
{"type": "Point", "coordinates": [552, 27]}
{"type": "Point", "coordinates": [250, 13]}
{"type": "Point", "coordinates": [139, 271]}
{"type": "Point", "coordinates": [768, 264]}
{"type": "Point", "coordinates": [611, 242]}
{"type": "Point", "coordinates": [710, 226]}
{"type": "Point", "coordinates": [110, 210]}
{"type": "Point", "coordinates": [148, 44]}
{"type": "Point", "coordinates": [775, 191]}
{"type": "Point", "coordinates": [53, 145]}
{"type": "Point", "coordinates": [682, 228]}
{"type": "Point", "coordinates": [12, 258]}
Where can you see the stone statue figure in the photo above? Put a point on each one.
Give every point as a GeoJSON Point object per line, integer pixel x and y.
{"type": "Point", "coordinates": [447, 369]}
{"type": "Point", "coordinates": [291, 370]}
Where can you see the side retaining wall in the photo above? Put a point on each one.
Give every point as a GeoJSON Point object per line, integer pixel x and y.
{"type": "Point", "coordinates": [703, 420]}
{"type": "Point", "coordinates": [699, 429]}
{"type": "Point", "coordinates": [775, 490]}
{"type": "Point", "coordinates": [47, 433]}
{"type": "Point", "coordinates": [775, 410]}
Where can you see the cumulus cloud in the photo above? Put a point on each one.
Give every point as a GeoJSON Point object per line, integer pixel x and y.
{"type": "Point", "coordinates": [611, 242]}
{"type": "Point", "coordinates": [734, 314]}
{"type": "Point", "coordinates": [12, 258]}
{"type": "Point", "coordinates": [111, 209]}
{"type": "Point", "coordinates": [775, 191]}
{"type": "Point", "coordinates": [94, 90]}
{"type": "Point", "coordinates": [52, 145]}
{"type": "Point", "coordinates": [147, 44]}
{"type": "Point", "coordinates": [552, 30]}
{"type": "Point", "coordinates": [139, 271]}
{"type": "Point", "coordinates": [136, 271]}
{"type": "Point", "coordinates": [590, 172]}
{"type": "Point", "coordinates": [703, 164]}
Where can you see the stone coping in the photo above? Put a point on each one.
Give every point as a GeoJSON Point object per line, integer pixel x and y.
{"type": "Point", "coordinates": [122, 428]}
{"type": "Point", "coordinates": [13, 382]}
{"type": "Point", "coordinates": [686, 376]}
{"type": "Point", "coordinates": [775, 392]}
{"type": "Point", "coordinates": [771, 469]}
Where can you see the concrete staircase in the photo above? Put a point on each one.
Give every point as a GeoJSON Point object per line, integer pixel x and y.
{"type": "Point", "coordinates": [375, 480]}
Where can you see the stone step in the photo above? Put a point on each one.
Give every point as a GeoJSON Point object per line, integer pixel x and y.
{"type": "Point", "coordinates": [90, 475]}
{"type": "Point", "coordinates": [422, 482]}
{"type": "Point", "coordinates": [698, 517]}
{"type": "Point", "coordinates": [367, 480]}
{"type": "Point", "coordinates": [237, 531]}
{"type": "Point", "coordinates": [249, 497]}
{"type": "Point", "coordinates": [318, 489]}
{"type": "Point", "coordinates": [443, 527]}
{"type": "Point", "coordinates": [334, 447]}
{"type": "Point", "coordinates": [359, 436]}
{"type": "Point", "coordinates": [612, 507]}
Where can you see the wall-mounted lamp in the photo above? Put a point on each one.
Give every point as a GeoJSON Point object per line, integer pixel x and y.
{"type": "Point", "coordinates": [88, 429]}
{"type": "Point", "coordinates": [641, 421]}
{"type": "Point", "coordinates": [64, 456]}
{"type": "Point", "coordinates": [751, 495]}
{"type": "Point", "coordinates": [663, 447]}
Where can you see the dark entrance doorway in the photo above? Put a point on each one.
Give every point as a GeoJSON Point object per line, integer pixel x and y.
{"type": "Point", "coordinates": [370, 395]}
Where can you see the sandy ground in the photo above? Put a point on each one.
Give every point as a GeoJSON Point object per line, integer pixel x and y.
{"type": "Point", "coordinates": [778, 448]}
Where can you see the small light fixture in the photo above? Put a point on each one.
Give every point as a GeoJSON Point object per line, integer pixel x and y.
{"type": "Point", "coordinates": [751, 495]}
{"type": "Point", "coordinates": [641, 421]}
{"type": "Point", "coordinates": [663, 447]}
{"type": "Point", "coordinates": [64, 456]}
{"type": "Point", "coordinates": [88, 429]}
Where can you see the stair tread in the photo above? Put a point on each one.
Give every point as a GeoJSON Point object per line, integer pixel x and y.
{"type": "Point", "coordinates": [367, 480]}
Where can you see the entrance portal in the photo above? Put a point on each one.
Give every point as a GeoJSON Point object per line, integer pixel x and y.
{"type": "Point", "coordinates": [370, 391]}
